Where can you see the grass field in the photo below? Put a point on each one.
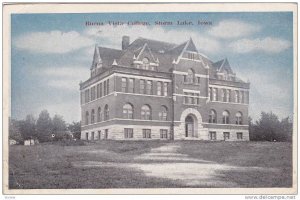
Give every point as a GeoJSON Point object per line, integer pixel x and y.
{"type": "Point", "coordinates": [151, 164]}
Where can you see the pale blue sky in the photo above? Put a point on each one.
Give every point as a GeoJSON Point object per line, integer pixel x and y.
{"type": "Point", "coordinates": [51, 53]}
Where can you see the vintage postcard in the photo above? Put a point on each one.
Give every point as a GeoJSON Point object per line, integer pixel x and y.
{"type": "Point", "coordinates": [157, 98]}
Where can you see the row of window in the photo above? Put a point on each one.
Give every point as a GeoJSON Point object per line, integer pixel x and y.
{"type": "Point", "coordinates": [239, 96]}
{"type": "Point", "coordinates": [128, 133]}
{"type": "Point", "coordinates": [191, 78]}
{"type": "Point", "coordinates": [226, 135]}
{"type": "Point", "coordinates": [191, 98]}
{"type": "Point", "coordinates": [146, 87]}
{"type": "Point", "coordinates": [128, 113]}
{"type": "Point", "coordinates": [225, 117]}
{"type": "Point", "coordinates": [95, 92]}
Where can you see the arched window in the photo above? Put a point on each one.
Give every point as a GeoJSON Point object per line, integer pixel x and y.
{"type": "Point", "coordinates": [190, 76]}
{"type": "Point", "coordinates": [238, 117]}
{"type": "Point", "coordinates": [86, 118]}
{"type": "Point", "coordinates": [128, 111]}
{"type": "Point", "coordinates": [146, 112]}
{"type": "Point", "coordinates": [99, 115]}
{"type": "Point", "coordinates": [225, 117]}
{"type": "Point", "coordinates": [212, 116]}
{"type": "Point", "coordinates": [106, 112]}
{"type": "Point", "coordinates": [93, 116]}
{"type": "Point", "coordinates": [162, 115]}
{"type": "Point", "coordinates": [145, 63]}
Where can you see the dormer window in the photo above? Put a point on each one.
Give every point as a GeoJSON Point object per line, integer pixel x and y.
{"type": "Point", "coordinates": [145, 64]}
{"type": "Point", "coordinates": [190, 76]}
{"type": "Point", "coordinates": [226, 75]}
{"type": "Point", "coordinates": [191, 56]}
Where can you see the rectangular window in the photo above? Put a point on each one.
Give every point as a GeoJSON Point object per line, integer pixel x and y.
{"type": "Point", "coordinates": [131, 85]}
{"type": "Point", "coordinates": [87, 96]}
{"type": "Point", "coordinates": [104, 88]}
{"type": "Point", "coordinates": [212, 135]}
{"type": "Point", "coordinates": [159, 87]}
{"type": "Point", "coordinates": [87, 136]}
{"type": "Point", "coordinates": [226, 135]}
{"type": "Point", "coordinates": [93, 136]}
{"type": "Point", "coordinates": [128, 133]}
{"type": "Point", "coordinates": [163, 133]}
{"type": "Point", "coordinates": [165, 89]}
{"type": "Point", "coordinates": [149, 87]}
{"type": "Point", "coordinates": [239, 136]}
{"type": "Point", "coordinates": [197, 99]}
{"type": "Point", "coordinates": [99, 135]}
{"type": "Point", "coordinates": [106, 134]}
{"type": "Point", "coordinates": [228, 95]}
{"type": "Point", "coordinates": [184, 78]}
{"type": "Point", "coordinates": [142, 86]}
{"type": "Point", "coordinates": [215, 94]}
{"type": "Point", "coordinates": [100, 89]}
{"type": "Point", "coordinates": [124, 84]}
{"type": "Point", "coordinates": [107, 85]}
{"type": "Point", "coordinates": [146, 133]}
{"type": "Point", "coordinates": [93, 95]}
{"type": "Point", "coordinates": [198, 80]}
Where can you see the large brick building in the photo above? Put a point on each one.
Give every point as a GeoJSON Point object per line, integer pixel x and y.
{"type": "Point", "coordinates": [156, 90]}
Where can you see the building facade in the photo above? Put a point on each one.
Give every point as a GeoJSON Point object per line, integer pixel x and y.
{"type": "Point", "coordinates": [156, 90]}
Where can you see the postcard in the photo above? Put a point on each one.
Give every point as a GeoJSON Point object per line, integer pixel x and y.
{"type": "Point", "coordinates": [150, 98]}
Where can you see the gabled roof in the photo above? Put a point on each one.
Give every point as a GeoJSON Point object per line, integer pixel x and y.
{"type": "Point", "coordinates": [108, 55]}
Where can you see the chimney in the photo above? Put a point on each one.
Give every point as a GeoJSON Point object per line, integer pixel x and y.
{"type": "Point", "coordinates": [125, 42]}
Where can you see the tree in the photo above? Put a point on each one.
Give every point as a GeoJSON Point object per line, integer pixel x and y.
{"type": "Point", "coordinates": [44, 126]}
{"type": "Point", "coordinates": [270, 128]}
{"type": "Point", "coordinates": [75, 128]}
{"type": "Point", "coordinates": [14, 130]}
{"type": "Point", "coordinates": [28, 127]}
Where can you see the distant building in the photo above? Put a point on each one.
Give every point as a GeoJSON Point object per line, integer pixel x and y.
{"type": "Point", "coordinates": [157, 90]}
{"type": "Point", "coordinates": [30, 142]}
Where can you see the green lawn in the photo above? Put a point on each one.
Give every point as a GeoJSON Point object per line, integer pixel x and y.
{"type": "Point", "coordinates": [51, 165]}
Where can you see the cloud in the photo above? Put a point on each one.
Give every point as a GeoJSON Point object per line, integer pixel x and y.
{"type": "Point", "coordinates": [64, 77]}
{"type": "Point", "coordinates": [228, 29]}
{"type": "Point", "coordinates": [52, 42]}
{"type": "Point", "coordinates": [111, 36]}
{"type": "Point", "coordinates": [268, 45]}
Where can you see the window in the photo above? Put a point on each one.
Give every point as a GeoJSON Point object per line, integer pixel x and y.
{"type": "Point", "coordinates": [223, 93]}
{"type": "Point", "coordinates": [165, 89]}
{"type": "Point", "coordinates": [238, 117]}
{"type": "Point", "coordinates": [127, 111]}
{"type": "Point", "coordinates": [225, 117]}
{"type": "Point", "coordinates": [190, 76]}
{"type": "Point", "coordinates": [93, 136]}
{"type": "Point", "coordinates": [198, 80]}
{"type": "Point", "coordinates": [100, 89]}
{"type": "Point", "coordinates": [107, 85]}
{"type": "Point", "coordinates": [87, 96]}
{"type": "Point", "coordinates": [146, 133]}
{"type": "Point", "coordinates": [106, 134]}
{"type": "Point", "coordinates": [159, 88]}
{"type": "Point", "coordinates": [241, 97]}
{"type": "Point", "coordinates": [87, 136]}
{"type": "Point", "coordinates": [163, 133]}
{"type": "Point", "coordinates": [227, 95]}
{"type": "Point", "coordinates": [149, 87]}
{"type": "Point", "coordinates": [212, 116]}
{"type": "Point", "coordinates": [146, 112]}
{"type": "Point", "coordinates": [212, 135]}
{"type": "Point", "coordinates": [124, 84]}
{"type": "Point", "coordinates": [93, 96]}
{"type": "Point", "coordinates": [145, 64]}
{"type": "Point", "coordinates": [236, 99]}
{"type": "Point", "coordinates": [93, 116]}
{"type": "Point", "coordinates": [99, 135]}
{"type": "Point", "coordinates": [99, 114]}
{"type": "Point", "coordinates": [162, 115]}
{"type": "Point", "coordinates": [197, 99]}
{"type": "Point", "coordinates": [131, 85]}
{"type": "Point", "coordinates": [86, 118]}
{"type": "Point", "coordinates": [214, 94]}
{"type": "Point", "coordinates": [226, 135]}
{"type": "Point", "coordinates": [104, 89]}
{"type": "Point", "coordinates": [128, 133]}
{"type": "Point", "coordinates": [191, 56]}
{"type": "Point", "coordinates": [142, 86]}
{"type": "Point", "coordinates": [106, 112]}
{"type": "Point", "coordinates": [239, 136]}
